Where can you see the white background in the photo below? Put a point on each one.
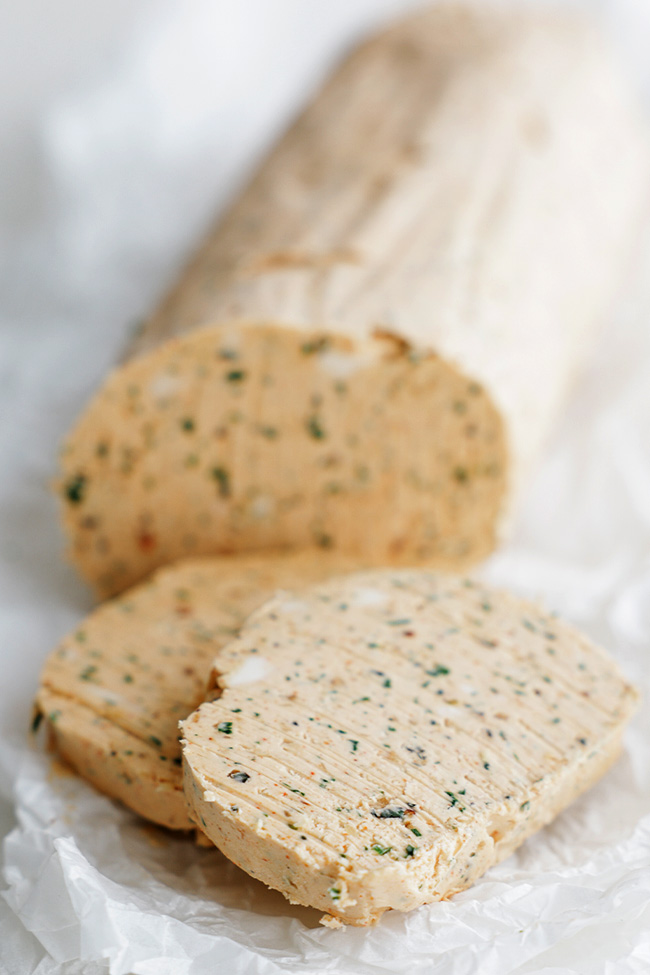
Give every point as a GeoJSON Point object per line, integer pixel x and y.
{"type": "Point", "coordinates": [124, 125]}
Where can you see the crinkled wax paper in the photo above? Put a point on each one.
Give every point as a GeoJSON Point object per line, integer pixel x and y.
{"type": "Point", "coordinates": [135, 163]}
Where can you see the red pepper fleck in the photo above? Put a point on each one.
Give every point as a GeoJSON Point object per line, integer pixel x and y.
{"type": "Point", "coordinates": [147, 541]}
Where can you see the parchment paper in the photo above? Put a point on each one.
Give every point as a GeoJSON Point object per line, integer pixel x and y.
{"type": "Point", "coordinates": [91, 889]}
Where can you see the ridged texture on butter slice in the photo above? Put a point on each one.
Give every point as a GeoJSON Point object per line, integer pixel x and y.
{"type": "Point", "coordinates": [381, 741]}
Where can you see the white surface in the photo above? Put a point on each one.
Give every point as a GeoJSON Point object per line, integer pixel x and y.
{"type": "Point", "coordinates": [158, 118]}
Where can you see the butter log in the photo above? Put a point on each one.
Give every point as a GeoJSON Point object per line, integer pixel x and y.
{"type": "Point", "coordinates": [369, 350]}
{"type": "Point", "coordinates": [382, 739]}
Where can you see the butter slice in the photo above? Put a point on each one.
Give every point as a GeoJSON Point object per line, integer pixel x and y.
{"type": "Point", "coordinates": [382, 740]}
{"type": "Point", "coordinates": [114, 690]}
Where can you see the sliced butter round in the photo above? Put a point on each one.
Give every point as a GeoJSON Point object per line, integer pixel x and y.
{"type": "Point", "coordinates": [382, 740]}
{"type": "Point", "coordinates": [114, 690]}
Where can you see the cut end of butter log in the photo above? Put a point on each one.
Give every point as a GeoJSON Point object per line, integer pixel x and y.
{"type": "Point", "coordinates": [382, 739]}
